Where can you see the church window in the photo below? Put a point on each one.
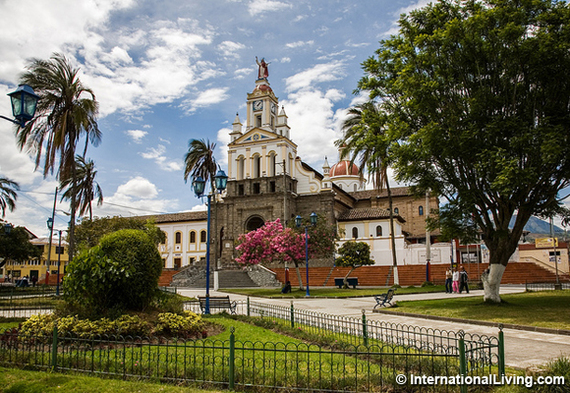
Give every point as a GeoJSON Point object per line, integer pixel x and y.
{"type": "Point", "coordinates": [421, 210]}
{"type": "Point", "coordinates": [256, 188]}
{"type": "Point", "coordinates": [178, 238]}
{"type": "Point", "coordinates": [272, 164]}
{"type": "Point", "coordinates": [396, 211]}
{"type": "Point", "coordinates": [355, 233]}
{"type": "Point", "coordinates": [241, 190]}
{"type": "Point", "coordinates": [256, 166]}
{"type": "Point", "coordinates": [355, 188]}
{"type": "Point", "coordinates": [379, 230]}
{"type": "Point", "coordinates": [241, 167]}
{"type": "Point", "coordinates": [258, 121]}
{"type": "Point", "coordinates": [272, 186]}
{"type": "Point", "coordinates": [192, 237]}
{"type": "Point", "coordinates": [203, 235]}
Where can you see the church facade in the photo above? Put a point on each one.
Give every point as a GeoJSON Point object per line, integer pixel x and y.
{"type": "Point", "coordinates": [267, 180]}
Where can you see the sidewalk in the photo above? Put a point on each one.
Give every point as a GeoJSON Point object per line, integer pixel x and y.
{"type": "Point", "coordinates": [522, 348]}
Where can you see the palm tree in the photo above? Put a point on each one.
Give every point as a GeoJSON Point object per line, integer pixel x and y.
{"type": "Point", "coordinates": [367, 142]}
{"type": "Point", "coordinates": [8, 195]}
{"type": "Point", "coordinates": [85, 188]}
{"type": "Point", "coordinates": [66, 112]}
{"type": "Point", "coordinates": [200, 161]}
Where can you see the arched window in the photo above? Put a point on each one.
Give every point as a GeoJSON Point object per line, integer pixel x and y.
{"type": "Point", "coordinates": [421, 210]}
{"type": "Point", "coordinates": [178, 237]}
{"type": "Point", "coordinates": [379, 230]}
{"type": "Point", "coordinates": [396, 211]}
{"type": "Point", "coordinates": [203, 238]}
{"type": "Point", "coordinates": [256, 166]}
{"type": "Point", "coordinates": [355, 233]}
{"type": "Point", "coordinates": [192, 237]}
{"type": "Point", "coordinates": [272, 164]}
{"type": "Point", "coordinates": [241, 168]}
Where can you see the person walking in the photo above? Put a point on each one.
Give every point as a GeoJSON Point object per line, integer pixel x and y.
{"type": "Point", "coordinates": [456, 281]}
{"type": "Point", "coordinates": [463, 279]}
{"type": "Point", "coordinates": [448, 281]}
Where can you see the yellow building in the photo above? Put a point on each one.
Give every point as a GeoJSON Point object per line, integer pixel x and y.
{"type": "Point", "coordinates": [38, 267]}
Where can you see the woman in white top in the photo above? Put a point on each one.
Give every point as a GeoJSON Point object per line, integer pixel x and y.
{"type": "Point", "coordinates": [456, 281]}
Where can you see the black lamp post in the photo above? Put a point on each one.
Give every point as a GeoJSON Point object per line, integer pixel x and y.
{"type": "Point", "coordinates": [50, 227]}
{"type": "Point", "coordinates": [199, 185]}
{"type": "Point", "coordinates": [299, 222]}
{"type": "Point", "coordinates": [24, 102]}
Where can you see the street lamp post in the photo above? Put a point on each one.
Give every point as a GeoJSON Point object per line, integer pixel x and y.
{"type": "Point", "coordinates": [199, 185]}
{"type": "Point", "coordinates": [7, 229]}
{"type": "Point", "coordinates": [58, 263]}
{"type": "Point", "coordinates": [298, 222]}
{"type": "Point", "coordinates": [24, 102]}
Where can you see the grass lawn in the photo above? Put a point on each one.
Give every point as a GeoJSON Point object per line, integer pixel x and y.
{"type": "Point", "coordinates": [21, 381]}
{"type": "Point", "coordinates": [549, 309]}
{"type": "Point", "coordinates": [328, 292]}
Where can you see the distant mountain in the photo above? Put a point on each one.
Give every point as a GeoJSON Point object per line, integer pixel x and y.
{"type": "Point", "coordinates": [536, 225]}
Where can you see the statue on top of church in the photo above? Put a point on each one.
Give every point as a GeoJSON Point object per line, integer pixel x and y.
{"type": "Point", "coordinates": [263, 70]}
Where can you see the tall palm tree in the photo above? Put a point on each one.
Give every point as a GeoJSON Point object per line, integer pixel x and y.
{"type": "Point", "coordinates": [85, 189]}
{"type": "Point", "coordinates": [200, 161]}
{"type": "Point", "coordinates": [8, 195]}
{"type": "Point", "coordinates": [66, 112]}
{"type": "Point", "coordinates": [366, 141]}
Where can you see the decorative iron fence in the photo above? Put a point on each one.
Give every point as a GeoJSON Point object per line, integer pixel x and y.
{"type": "Point", "coordinates": [23, 302]}
{"type": "Point", "coordinates": [545, 286]}
{"type": "Point", "coordinates": [481, 354]}
{"type": "Point", "coordinates": [232, 363]}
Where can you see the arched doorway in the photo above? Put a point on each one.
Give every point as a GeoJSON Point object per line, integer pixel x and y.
{"type": "Point", "coordinates": [253, 223]}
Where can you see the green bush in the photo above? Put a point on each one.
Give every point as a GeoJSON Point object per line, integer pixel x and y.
{"type": "Point", "coordinates": [121, 273]}
{"type": "Point", "coordinates": [179, 325]}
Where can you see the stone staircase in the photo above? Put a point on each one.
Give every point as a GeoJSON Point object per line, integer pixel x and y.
{"type": "Point", "coordinates": [195, 277]}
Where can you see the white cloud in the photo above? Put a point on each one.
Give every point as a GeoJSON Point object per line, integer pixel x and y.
{"type": "Point", "coordinates": [298, 44]}
{"type": "Point", "coordinates": [286, 60]}
{"type": "Point", "coordinates": [260, 6]}
{"type": "Point", "coordinates": [135, 197]}
{"type": "Point", "coordinates": [138, 187]}
{"type": "Point", "coordinates": [242, 72]}
{"type": "Point", "coordinates": [223, 139]}
{"type": "Point", "coordinates": [206, 98]}
{"type": "Point", "coordinates": [325, 72]}
{"type": "Point", "coordinates": [136, 135]}
{"type": "Point", "coordinates": [230, 49]}
{"type": "Point", "coordinates": [158, 155]}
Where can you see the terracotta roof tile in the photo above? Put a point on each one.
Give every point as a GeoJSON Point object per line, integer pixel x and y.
{"type": "Point", "coordinates": [367, 214]}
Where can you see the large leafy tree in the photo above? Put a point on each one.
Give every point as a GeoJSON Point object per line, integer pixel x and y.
{"type": "Point", "coordinates": [16, 246]}
{"type": "Point", "coordinates": [66, 112]}
{"type": "Point", "coordinates": [479, 96]}
{"type": "Point", "coordinates": [89, 232]}
{"type": "Point", "coordinates": [367, 141]}
{"type": "Point", "coordinates": [354, 255]}
{"type": "Point", "coordinates": [85, 188]}
{"type": "Point", "coordinates": [8, 194]}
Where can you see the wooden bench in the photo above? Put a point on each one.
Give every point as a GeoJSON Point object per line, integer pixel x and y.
{"type": "Point", "coordinates": [352, 281]}
{"type": "Point", "coordinates": [218, 302]}
{"type": "Point", "coordinates": [385, 298]}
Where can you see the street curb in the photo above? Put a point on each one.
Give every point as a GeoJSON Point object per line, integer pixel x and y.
{"type": "Point", "coordinates": [477, 322]}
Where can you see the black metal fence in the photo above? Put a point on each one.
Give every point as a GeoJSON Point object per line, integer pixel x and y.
{"type": "Point", "coordinates": [18, 302]}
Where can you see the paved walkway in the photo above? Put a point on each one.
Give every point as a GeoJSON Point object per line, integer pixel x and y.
{"type": "Point", "coordinates": [522, 348]}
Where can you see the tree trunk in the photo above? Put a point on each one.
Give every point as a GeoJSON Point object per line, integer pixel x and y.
{"type": "Point", "coordinates": [491, 282]}
{"type": "Point", "coordinates": [392, 236]}
{"type": "Point", "coordinates": [299, 276]}
{"type": "Point", "coordinates": [346, 277]}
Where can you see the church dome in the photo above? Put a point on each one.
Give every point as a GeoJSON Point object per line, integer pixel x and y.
{"type": "Point", "coordinates": [263, 88]}
{"type": "Point", "coordinates": [344, 168]}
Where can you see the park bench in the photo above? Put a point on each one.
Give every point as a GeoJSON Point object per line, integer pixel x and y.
{"type": "Point", "coordinates": [218, 302]}
{"type": "Point", "coordinates": [352, 281]}
{"type": "Point", "coordinates": [385, 298]}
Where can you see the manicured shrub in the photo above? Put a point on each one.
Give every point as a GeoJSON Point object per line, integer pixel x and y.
{"type": "Point", "coordinates": [178, 325]}
{"type": "Point", "coordinates": [121, 273]}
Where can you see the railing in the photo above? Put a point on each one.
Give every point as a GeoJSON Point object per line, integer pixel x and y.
{"type": "Point", "coordinates": [230, 363]}
{"type": "Point", "coordinates": [545, 286]}
{"type": "Point", "coordinates": [481, 353]}
{"type": "Point", "coordinates": [23, 302]}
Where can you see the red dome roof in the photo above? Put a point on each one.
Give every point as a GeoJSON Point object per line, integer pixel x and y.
{"type": "Point", "coordinates": [344, 168]}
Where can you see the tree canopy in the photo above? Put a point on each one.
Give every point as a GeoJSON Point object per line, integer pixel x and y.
{"type": "Point", "coordinates": [477, 94]}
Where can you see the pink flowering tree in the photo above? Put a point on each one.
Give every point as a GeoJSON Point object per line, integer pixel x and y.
{"type": "Point", "coordinates": [272, 243]}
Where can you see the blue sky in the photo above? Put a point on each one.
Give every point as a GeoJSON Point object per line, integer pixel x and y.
{"type": "Point", "coordinates": [165, 72]}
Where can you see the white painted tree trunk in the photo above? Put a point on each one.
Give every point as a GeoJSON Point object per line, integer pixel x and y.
{"type": "Point", "coordinates": [491, 282]}
{"type": "Point", "coordinates": [396, 277]}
